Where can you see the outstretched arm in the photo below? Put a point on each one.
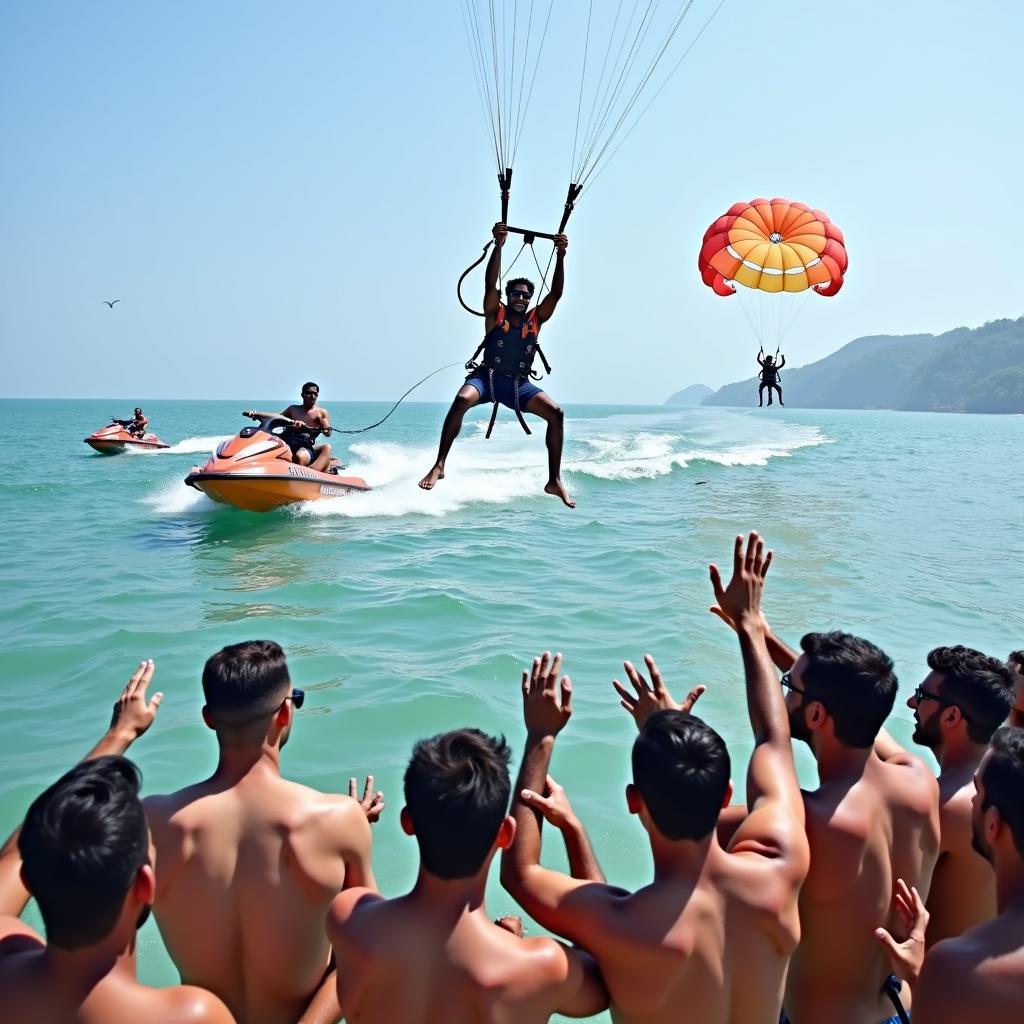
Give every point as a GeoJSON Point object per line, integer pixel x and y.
{"type": "Point", "coordinates": [492, 276]}
{"type": "Point", "coordinates": [132, 716]}
{"type": "Point", "coordinates": [546, 308]}
{"type": "Point", "coordinates": [571, 906]}
{"type": "Point", "coordinates": [775, 824]}
{"type": "Point", "coordinates": [781, 363]}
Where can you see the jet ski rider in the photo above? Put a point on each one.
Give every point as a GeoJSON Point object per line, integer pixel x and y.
{"type": "Point", "coordinates": [137, 425]}
{"type": "Point", "coordinates": [308, 421]}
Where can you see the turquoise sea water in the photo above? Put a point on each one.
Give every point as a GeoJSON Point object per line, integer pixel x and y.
{"type": "Point", "coordinates": [405, 613]}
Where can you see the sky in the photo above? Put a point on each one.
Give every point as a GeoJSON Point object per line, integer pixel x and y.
{"type": "Point", "coordinates": [277, 192]}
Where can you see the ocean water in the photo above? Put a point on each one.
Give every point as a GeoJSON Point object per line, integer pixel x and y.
{"type": "Point", "coordinates": [406, 613]}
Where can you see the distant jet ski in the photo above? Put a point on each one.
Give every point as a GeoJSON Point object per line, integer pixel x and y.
{"type": "Point", "coordinates": [116, 438]}
{"type": "Point", "coordinates": [255, 471]}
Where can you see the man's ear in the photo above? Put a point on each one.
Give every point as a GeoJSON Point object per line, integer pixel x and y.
{"type": "Point", "coordinates": [951, 716]}
{"type": "Point", "coordinates": [727, 799]}
{"type": "Point", "coordinates": [994, 824]}
{"type": "Point", "coordinates": [815, 715]}
{"type": "Point", "coordinates": [145, 885]}
{"type": "Point", "coordinates": [634, 801]}
{"type": "Point", "coordinates": [506, 833]}
{"type": "Point", "coordinates": [283, 715]}
{"type": "Point", "coordinates": [208, 718]}
{"type": "Point", "coordinates": [405, 820]}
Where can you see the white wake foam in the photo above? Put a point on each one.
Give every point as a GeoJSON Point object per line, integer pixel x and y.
{"type": "Point", "coordinates": [192, 445]}
{"type": "Point", "coordinates": [512, 467]}
{"type": "Point", "coordinates": [175, 498]}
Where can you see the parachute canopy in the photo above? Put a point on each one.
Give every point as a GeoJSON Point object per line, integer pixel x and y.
{"type": "Point", "coordinates": [773, 245]}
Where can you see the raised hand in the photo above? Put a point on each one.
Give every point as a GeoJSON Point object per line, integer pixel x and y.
{"type": "Point", "coordinates": [647, 700]}
{"type": "Point", "coordinates": [554, 804]}
{"type": "Point", "coordinates": [547, 703]}
{"type": "Point", "coordinates": [132, 714]}
{"type": "Point", "coordinates": [907, 955]}
{"type": "Point", "coordinates": [372, 803]}
{"type": "Point", "coordinates": [741, 599]}
{"type": "Point", "coordinates": [561, 244]}
{"type": "Point", "coordinates": [500, 233]}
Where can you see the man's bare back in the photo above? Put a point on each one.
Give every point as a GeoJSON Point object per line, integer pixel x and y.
{"type": "Point", "coordinates": [715, 952]}
{"type": "Point", "coordinates": [433, 956]}
{"type": "Point", "coordinates": [247, 874]}
{"type": "Point", "coordinates": [864, 833]}
{"type": "Point", "coordinates": [251, 861]}
{"type": "Point", "coordinates": [402, 960]}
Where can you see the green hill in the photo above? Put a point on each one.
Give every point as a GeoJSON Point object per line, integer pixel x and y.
{"type": "Point", "coordinates": [963, 370]}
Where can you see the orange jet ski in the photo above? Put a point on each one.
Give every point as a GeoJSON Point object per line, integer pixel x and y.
{"type": "Point", "coordinates": [255, 471]}
{"type": "Point", "coordinates": [116, 438]}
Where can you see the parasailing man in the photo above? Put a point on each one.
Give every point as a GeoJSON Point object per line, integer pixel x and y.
{"type": "Point", "coordinates": [769, 374]}
{"type": "Point", "coordinates": [503, 376]}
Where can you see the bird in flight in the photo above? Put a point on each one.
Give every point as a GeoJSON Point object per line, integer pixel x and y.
{"type": "Point", "coordinates": [111, 304]}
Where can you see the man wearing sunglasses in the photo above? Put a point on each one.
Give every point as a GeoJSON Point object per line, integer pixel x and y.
{"type": "Point", "coordinates": [873, 818]}
{"type": "Point", "coordinates": [309, 421]}
{"type": "Point", "coordinates": [957, 708]}
{"type": "Point", "coordinates": [251, 861]}
{"type": "Point", "coordinates": [509, 348]}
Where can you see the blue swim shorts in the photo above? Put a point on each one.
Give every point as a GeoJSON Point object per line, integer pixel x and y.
{"type": "Point", "coordinates": [504, 388]}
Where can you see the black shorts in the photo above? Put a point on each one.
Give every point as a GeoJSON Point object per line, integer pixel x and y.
{"type": "Point", "coordinates": [298, 444]}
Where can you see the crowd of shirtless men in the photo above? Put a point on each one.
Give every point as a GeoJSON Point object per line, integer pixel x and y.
{"type": "Point", "coordinates": [883, 892]}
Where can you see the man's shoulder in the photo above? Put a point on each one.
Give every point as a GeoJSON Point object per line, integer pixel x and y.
{"type": "Point", "coordinates": [16, 940]}
{"type": "Point", "coordinates": [188, 1004]}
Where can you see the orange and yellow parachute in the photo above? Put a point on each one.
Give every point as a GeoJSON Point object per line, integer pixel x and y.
{"type": "Point", "coordinates": [773, 245]}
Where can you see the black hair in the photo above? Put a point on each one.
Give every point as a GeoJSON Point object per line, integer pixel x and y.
{"type": "Point", "coordinates": [681, 768]}
{"type": "Point", "coordinates": [520, 280]}
{"type": "Point", "coordinates": [854, 680]}
{"type": "Point", "coordinates": [82, 845]}
{"type": "Point", "coordinates": [1016, 661]}
{"type": "Point", "coordinates": [1003, 780]}
{"type": "Point", "coordinates": [457, 791]}
{"type": "Point", "coordinates": [245, 680]}
{"type": "Point", "coordinates": [982, 687]}
{"type": "Point", "coordinates": [310, 384]}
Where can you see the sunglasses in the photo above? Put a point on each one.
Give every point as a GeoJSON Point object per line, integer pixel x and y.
{"type": "Point", "coordinates": [921, 695]}
{"type": "Point", "coordinates": [787, 683]}
{"type": "Point", "coordinates": [312, 393]}
{"type": "Point", "coordinates": [519, 293]}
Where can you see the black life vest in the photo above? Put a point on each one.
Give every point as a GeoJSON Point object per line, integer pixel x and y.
{"type": "Point", "coordinates": [509, 350]}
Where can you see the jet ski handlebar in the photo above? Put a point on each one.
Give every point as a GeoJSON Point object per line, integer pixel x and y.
{"type": "Point", "coordinates": [267, 422]}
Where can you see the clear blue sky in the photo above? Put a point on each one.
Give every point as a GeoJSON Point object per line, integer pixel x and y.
{"type": "Point", "coordinates": [282, 191]}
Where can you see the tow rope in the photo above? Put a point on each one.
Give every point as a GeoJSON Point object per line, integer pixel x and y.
{"type": "Point", "coordinates": [363, 430]}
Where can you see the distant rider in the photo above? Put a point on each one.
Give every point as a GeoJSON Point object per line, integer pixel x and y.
{"type": "Point", "coordinates": [137, 425]}
{"type": "Point", "coordinates": [308, 421]}
{"type": "Point", "coordinates": [769, 375]}
{"type": "Point", "coordinates": [518, 323]}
